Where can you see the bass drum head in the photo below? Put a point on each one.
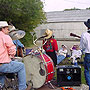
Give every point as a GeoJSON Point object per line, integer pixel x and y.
{"type": "Point", "coordinates": [32, 66]}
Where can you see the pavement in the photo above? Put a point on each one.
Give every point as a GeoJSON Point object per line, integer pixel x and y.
{"type": "Point", "coordinates": [53, 86]}
{"type": "Point", "coordinates": [81, 87]}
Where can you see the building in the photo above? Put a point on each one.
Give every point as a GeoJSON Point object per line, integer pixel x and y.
{"type": "Point", "coordinates": [63, 23]}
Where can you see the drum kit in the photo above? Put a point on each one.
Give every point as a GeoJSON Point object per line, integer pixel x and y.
{"type": "Point", "coordinates": [39, 66]}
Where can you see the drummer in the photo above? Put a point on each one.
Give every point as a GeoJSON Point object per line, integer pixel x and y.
{"type": "Point", "coordinates": [7, 51]}
{"type": "Point", "coordinates": [51, 47]}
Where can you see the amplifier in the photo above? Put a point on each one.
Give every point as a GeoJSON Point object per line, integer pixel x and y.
{"type": "Point", "coordinates": [68, 75]}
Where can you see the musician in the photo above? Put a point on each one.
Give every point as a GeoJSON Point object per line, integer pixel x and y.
{"type": "Point", "coordinates": [19, 48]}
{"type": "Point", "coordinates": [18, 44]}
{"type": "Point", "coordinates": [51, 46]}
{"type": "Point", "coordinates": [7, 51]}
{"type": "Point", "coordinates": [85, 46]}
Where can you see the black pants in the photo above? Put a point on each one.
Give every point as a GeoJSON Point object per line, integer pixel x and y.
{"type": "Point", "coordinates": [53, 57]}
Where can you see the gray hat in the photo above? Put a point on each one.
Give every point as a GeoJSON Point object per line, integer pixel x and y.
{"type": "Point", "coordinates": [16, 34]}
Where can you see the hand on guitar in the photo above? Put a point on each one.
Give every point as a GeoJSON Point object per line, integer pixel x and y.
{"type": "Point", "coordinates": [74, 35]}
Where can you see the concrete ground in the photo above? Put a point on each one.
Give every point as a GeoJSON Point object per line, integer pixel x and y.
{"type": "Point", "coordinates": [82, 87]}
{"type": "Point", "coordinates": [54, 87]}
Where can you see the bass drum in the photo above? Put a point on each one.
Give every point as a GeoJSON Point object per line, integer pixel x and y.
{"type": "Point", "coordinates": [38, 71]}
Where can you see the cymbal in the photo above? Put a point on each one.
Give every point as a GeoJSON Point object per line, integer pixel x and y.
{"type": "Point", "coordinates": [15, 35]}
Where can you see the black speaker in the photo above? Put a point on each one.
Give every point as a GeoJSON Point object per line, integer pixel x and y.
{"type": "Point", "coordinates": [68, 75]}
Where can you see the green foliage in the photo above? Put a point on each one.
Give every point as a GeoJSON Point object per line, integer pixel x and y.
{"type": "Point", "coordinates": [27, 40]}
{"type": "Point", "coordinates": [88, 8]}
{"type": "Point", "coordinates": [71, 9]}
{"type": "Point", "coordinates": [82, 76]}
{"type": "Point", "coordinates": [24, 14]}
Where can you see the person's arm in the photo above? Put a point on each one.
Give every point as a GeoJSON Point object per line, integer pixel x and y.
{"type": "Point", "coordinates": [20, 44]}
{"type": "Point", "coordinates": [11, 48]}
{"type": "Point", "coordinates": [80, 53]}
{"type": "Point", "coordinates": [55, 45]}
{"type": "Point", "coordinates": [82, 42]}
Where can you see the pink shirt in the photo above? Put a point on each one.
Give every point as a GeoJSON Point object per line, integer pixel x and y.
{"type": "Point", "coordinates": [7, 48]}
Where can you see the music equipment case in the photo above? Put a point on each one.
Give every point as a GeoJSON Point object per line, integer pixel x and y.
{"type": "Point", "coordinates": [68, 75]}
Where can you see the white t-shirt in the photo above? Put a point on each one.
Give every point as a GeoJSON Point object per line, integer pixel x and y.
{"type": "Point", "coordinates": [76, 53]}
{"type": "Point", "coordinates": [85, 42]}
{"type": "Point", "coordinates": [63, 52]}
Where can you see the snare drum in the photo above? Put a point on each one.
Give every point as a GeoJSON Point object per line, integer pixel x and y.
{"type": "Point", "coordinates": [38, 71]}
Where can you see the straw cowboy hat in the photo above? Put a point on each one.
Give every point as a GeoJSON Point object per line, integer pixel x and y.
{"type": "Point", "coordinates": [16, 34]}
{"type": "Point", "coordinates": [87, 23]}
{"type": "Point", "coordinates": [48, 33]}
{"type": "Point", "coordinates": [4, 24]}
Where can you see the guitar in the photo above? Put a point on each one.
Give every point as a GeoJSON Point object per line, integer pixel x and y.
{"type": "Point", "coordinates": [20, 52]}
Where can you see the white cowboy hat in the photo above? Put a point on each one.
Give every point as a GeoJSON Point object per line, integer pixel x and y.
{"type": "Point", "coordinates": [4, 24]}
{"type": "Point", "coordinates": [16, 34]}
{"type": "Point", "coordinates": [48, 33]}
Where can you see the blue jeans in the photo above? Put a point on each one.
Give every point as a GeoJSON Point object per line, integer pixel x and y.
{"type": "Point", "coordinates": [87, 69]}
{"type": "Point", "coordinates": [15, 67]}
{"type": "Point", "coordinates": [60, 58]}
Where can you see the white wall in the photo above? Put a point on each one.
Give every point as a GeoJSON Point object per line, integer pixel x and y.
{"type": "Point", "coordinates": [63, 29]}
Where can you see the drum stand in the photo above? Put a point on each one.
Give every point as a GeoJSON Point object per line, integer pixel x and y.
{"type": "Point", "coordinates": [49, 83]}
{"type": "Point", "coordinates": [31, 84]}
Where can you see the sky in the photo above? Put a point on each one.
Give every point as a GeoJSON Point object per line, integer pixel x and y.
{"type": "Point", "coordinates": [60, 5]}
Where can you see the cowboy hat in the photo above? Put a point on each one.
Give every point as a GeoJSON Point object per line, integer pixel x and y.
{"type": "Point", "coordinates": [87, 23]}
{"type": "Point", "coordinates": [16, 34]}
{"type": "Point", "coordinates": [4, 24]}
{"type": "Point", "coordinates": [48, 33]}
{"type": "Point", "coordinates": [12, 29]}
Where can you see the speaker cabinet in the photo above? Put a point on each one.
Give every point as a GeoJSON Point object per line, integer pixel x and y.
{"type": "Point", "coordinates": [68, 75]}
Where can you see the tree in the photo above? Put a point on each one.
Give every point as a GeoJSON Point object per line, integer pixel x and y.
{"type": "Point", "coordinates": [88, 8]}
{"type": "Point", "coordinates": [24, 14]}
{"type": "Point", "coordinates": [71, 9]}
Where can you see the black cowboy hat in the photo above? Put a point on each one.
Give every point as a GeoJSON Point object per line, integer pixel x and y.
{"type": "Point", "coordinates": [87, 23]}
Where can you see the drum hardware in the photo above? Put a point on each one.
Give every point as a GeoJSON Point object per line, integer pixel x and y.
{"type": "Point", "coordinates": [48, 62]}
{"type": "Point", "coordinates": [41, 71]}
{"type": "Point", "coordinates": [29, 55]}
{"type": "Point", "coordinates": [49, 82]}
{"type": "Point", "coordinates": [50, 73]}
{"type": "Point", "coordinates": [31, 84]}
